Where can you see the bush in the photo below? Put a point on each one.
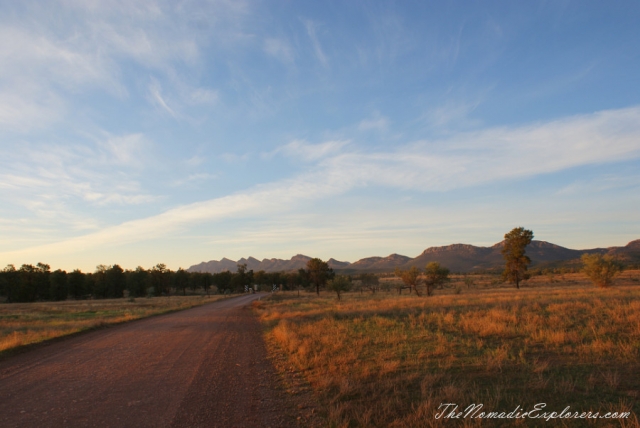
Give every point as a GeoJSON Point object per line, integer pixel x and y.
{"type": "Point", "coordinates": [601, 269]}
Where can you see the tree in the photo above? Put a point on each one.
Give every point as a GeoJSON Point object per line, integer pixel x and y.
{"type": "Point", "coordinates": [138, 282]}
{"type": "Point", "coordinates": [302, 280]}
{"type": "Point", "coordinates": [436, 275]}
{"type": "Point", "coordinates": [9, 282]}
{"type": "Point", "coordinates": [76, 282]}
{"type": "Point", "coordinates": [43, 271]}
{"type": "Point", "coordinates": [410, 278]}
{"type": "Point", "coordinates": [200, 279]}
{"type": "Point", "coordinates": [160, 279]}
{"type": "Point", "coordinates": [260, 278]}
{"type": "Point", "coordinates": [513, 252]}
{"type": "Point", "coordinates": [59, 286]}
{"type": "Point", "coordinates": [181, 280]}
{"type": "Point", "coordinates": [241, 278]}
{"type": "Point", "coordinates": [319, 273]}
{"type": "Point", "coordinates": [277, 278]}
{"type": "Point", "coordinates": [370, 281]}
{"type": "Point", "coordinates": [99, 285]}
{"type": "Point", "coordinates": [207, 281]}
{"type": "Point", "coordinates": [116, 282]}
{"type": "Point", "coordinates": [222, 281]}
{"type": "Point", "coordinates": [339, 284]}
{"type": "Point", "coordinates": [600, 269]}
{"type": "Point", "coordinates": [298, 280]}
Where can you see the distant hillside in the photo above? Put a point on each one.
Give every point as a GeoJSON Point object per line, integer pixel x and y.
{"type": "Point", "coordinates": [457, 257]}
{"type": "Point", "coordinates": [268, 265]}
{"type": "Point", "coordinates": [214, 266]}
{"type": "Point", "coordinates": [467, 258]}
{"type": "Point", "coordinates": [380, 263]}
{"type": "Point", "coordinates": [630, 253]}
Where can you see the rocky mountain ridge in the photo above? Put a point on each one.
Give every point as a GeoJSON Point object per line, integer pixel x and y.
{"type": "Point", "coordinates": [457, 257]}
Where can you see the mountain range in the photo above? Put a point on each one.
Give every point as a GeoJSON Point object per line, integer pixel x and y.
{"type": "Point", "coordinates": [457, 257]}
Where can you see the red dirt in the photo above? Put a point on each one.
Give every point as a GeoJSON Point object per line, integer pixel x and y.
{"type": "Point", "coordinates": [202, 367]}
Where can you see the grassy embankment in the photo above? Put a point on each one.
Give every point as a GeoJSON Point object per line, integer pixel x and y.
{"type": "Point", "coordinates": [389, 360]}
{"type": "Point", "coordinates": [29, 323]}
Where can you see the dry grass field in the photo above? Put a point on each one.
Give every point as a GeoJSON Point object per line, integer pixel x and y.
{"type": "Point", "coordinates": [389, 360]}
{"type": "Point", "coordinates": [28, 323]}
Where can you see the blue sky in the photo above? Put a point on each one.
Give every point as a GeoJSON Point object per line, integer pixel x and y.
{"type": "Point", "coordinates": [179, 132]}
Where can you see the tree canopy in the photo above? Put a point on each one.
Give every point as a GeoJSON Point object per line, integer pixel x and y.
{"type": "Point", "coordinates": [436, 276]}
{"type": "Point", "coordinates": [339, 284]}
{"type": "Point", "coordinates": [319, 273]}
{"type": "Point", "coordinates": [516, 261]}
{"type": "Point", "coordinates": [410, 278]}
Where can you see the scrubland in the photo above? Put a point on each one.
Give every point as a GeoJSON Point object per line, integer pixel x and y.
{"type": "Point", "coordinates": [29, 323]}
{"type": "Point", "coordinates": [391, 360]}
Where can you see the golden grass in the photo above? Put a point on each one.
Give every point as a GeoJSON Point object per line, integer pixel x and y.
{"type": "Point", "coordinates": [28, 323]}
{"type": "Point", "coordinates": [389, 360]}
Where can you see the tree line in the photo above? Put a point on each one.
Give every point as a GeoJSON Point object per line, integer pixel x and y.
{"type": "Point", "coordinates": [31, 283]}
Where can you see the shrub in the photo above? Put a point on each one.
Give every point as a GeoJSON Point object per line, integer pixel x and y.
{"type": "Point", "coordinates": [601, 269]}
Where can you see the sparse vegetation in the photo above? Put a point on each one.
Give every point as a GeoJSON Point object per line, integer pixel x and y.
{"type": "Point", "coordinates": [391, 360]}
{"type": "Point", "coordinates": [468, 281]}
{"type": "Point", "coordinates": [28, 323]}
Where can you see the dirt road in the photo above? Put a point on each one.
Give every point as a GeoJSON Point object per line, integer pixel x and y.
{"type": "Point", "coordinates": [203, 367]}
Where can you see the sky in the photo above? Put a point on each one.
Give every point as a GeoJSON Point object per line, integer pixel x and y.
{"type": "Point", "coordinates": [176, 132]}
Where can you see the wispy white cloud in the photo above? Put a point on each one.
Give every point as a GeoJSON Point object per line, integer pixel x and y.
{"type": "Point", "coordinates": [377, 122]}
{"type": "Point", "coordinates": [264, 199]}
{"type": "Point", "coordinates": [193, 178]}
{"type": "Point", "coordinates": [279, 49]}
{"type": "Point", "coordinates": [155, 96]}
{"type": "Point", "coordinates": [234, 157]}
{"type": "Point", "coordinates": [302, 150]}
{"type": "Point", "coordinates": [38, 69]}
{"type": "Point", "coordinates": [202, 96]}
{"type": "Point", "coordinates": [461, 161]}
{"type": "Point", "coordinates": [47, 61]}
{"type": "Point", "coordinates": [46, 177]}
{"type": "Point", "coordinates": [494, 154]}
{"type": "Point", "coordinates": [36, 56]}
{"type": "Point", "coordinates": [606, 183]}
{"type": "Point", "coordinates": [194, 161]}
{"type": "Point", "coordinates": [13, 181]}
{"type": "Point", "coordinates": [21, 112]}
{"type": "Point", "coordinates": [452, 113]}
{"type": "Point", "coordinates": [317, 47]}
{"type": "Point", "coordinates": [128, 149]}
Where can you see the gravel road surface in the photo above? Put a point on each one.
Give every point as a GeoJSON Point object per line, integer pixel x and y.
{"type": "Point", "coordinates": [202, 367]}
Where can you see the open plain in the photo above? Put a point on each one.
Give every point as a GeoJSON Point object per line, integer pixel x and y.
{"type": "Point", "coordinates": [391, 360]}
